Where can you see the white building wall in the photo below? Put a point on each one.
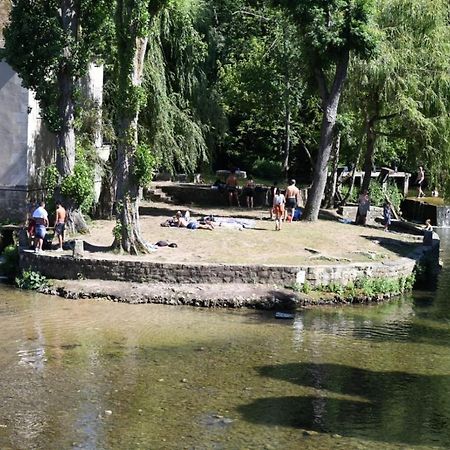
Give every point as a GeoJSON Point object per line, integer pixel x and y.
{"type": "Point", "coordinates": [13, 129]}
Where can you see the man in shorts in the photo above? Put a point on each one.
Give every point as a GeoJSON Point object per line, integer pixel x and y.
{"type": "Point", "coordinates": [292, 199]}
{"type": "Point", "coordinates": [232, 188]}
{"type": "Point", "coordinates": [40, 217]}
{"type": "Point", "coordinates": [60, 225]}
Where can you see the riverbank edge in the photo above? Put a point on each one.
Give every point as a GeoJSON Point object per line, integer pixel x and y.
{"type": "Point", "coordinates": [219, 285]}
{"type": "Point", "coordinates": [231, 295]}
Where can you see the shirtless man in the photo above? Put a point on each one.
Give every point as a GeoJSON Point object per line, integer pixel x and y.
{"type": "Point", "coordinates": [292, 198]}
{"type": "Point", "coordinates": [60, 225]}
{"type": "Point", "coordinates": [232, 188]}
{"type": "Point", "coordinates": [420, 180]}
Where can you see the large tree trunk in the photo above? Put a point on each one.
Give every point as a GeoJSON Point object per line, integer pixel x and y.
{"type": "Point", "coordinates": [287, 123]}
{"type": "Point", "coordinates": [369, 154]}
{"type": "Point", "coordinates": [127, 188]}
{"type": "Point", "coordinates": [330, 190]}
{"type": "Point", "coordinates": [65, 157]}
{"type": "Point", "coordinates": [330, 104]}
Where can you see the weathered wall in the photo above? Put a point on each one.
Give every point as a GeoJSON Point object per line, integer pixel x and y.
{"type": "Point", "coordinates": [67, 267]}
{"type": "Point", "coordinates": [5, 6]}
{"type": "Point", "coordinates": [13, 128]}
{"type": "Point", "coordinates": [205, 195]}
{"type": "Point", "coordinates": [26, 146]}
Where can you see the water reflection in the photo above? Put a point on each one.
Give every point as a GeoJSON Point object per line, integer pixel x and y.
{"type": "Point", "coordinates": [101, 375]}
{"type": "Point", "coordinates": [359, 403]}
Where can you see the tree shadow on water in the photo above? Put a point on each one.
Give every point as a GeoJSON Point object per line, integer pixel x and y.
{"type": "Point", "coordinates": [394, 407]}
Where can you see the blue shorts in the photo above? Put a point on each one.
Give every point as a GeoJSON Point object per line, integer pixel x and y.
{"type": "Point", "coordinates": [40, 231]}
{"type": "Point", "coordinates": [192, 225]}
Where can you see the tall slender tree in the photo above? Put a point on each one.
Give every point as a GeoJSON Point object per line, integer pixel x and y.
{"type": "Point", "coordinates": [132, 20]}
{"type": "Point", "coordinates": [331, 30]}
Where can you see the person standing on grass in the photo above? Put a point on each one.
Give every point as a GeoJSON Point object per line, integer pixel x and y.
{"type": "Point", "coordinates": [363, 208]}
{"type": "Point", "coordinates": [278, 208]}
{"type": "Point", "coordinates": [292, 198]}
{"type": "Point", "coordinates": [387, 214]}
{"type": "Point", "coordinates": [60, 225]}
{"type": "Point", "coordinates": [420, 182]}
{"type": "Point", "coordinates": [40, 217]}
{"type": "Point", "coordinates": [249, 191]}
{"type": "Point", "coordinates": [232, 188]}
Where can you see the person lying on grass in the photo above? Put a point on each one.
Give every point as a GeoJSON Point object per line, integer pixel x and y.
{"type": "Point", "coordinates": [192, 224]}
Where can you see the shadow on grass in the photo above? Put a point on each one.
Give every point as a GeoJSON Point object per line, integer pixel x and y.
{"type": "Point", "coordinates": [394, 407]}
{"type": "Point", "coordinates": [396, 246]}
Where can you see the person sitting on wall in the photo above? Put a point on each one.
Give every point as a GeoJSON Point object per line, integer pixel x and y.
{"type": "Point", "coordinates": [428, 233]}
{"type": "Point", "coordinates": [232, 188]}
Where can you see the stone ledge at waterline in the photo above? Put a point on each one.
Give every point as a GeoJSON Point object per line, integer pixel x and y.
{"type": "Point", "coordinates": [57, 266]}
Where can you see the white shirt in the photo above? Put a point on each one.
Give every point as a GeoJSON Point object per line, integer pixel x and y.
{"type": "Point", "coordinates": [40, 213]}
{"type": "Point", "coordinates": [279, 199]}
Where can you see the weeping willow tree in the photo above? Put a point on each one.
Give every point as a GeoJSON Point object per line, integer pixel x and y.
{"type": "Point", "coordinates": [170, 122]}
{"type": "Point", "coordinates": [403, 93]}
{"type": "Point", "coordinates": [132, 22]}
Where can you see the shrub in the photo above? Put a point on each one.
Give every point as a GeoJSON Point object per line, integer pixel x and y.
{"type": "Point", "coordinates": [144, 166]}
{"type": "Point", "coordinates": [378, 195]}
{"type": "Point", "coordinates": [10, 265]}
{"type": "Point", "coordinates": [31, 280]}
{"type": "Point", "coordinates": [268, 169]}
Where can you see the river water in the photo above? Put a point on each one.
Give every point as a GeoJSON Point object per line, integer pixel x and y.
{"type": "Point", "coordinates": [101, 375]}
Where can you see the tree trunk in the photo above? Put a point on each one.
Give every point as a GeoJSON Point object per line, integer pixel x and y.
{"type": "Point", "coordinates": [127, 188]}
{"type": "Point", "coordinates": [287, 140]}
{"type": "Point", "coordinates": [65, 156]}
{"type": "Point", "coordinates": [330, 104]}
{"type": "Point", "coordinates": [369, 154]}
{"type": "Point", "coordinates": [330, 190]}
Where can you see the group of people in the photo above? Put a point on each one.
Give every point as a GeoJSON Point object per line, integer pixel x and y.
{"type": "Point", "coordinates": [38, 222]}
{"type": "Point", "coordinates": [232, 188]}
{"type": "Point", "coordinates": [185, 220]}
{"type": "Point", "coordinates": [284, 204]}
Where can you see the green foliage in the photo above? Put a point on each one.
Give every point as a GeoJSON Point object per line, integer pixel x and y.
{"type": "Point", "coordinates": [144, 165]}
{"type": "Point", "coordinates": [50, 179]}
{"type": "Point", "coordinates": [269, 170]}
{"type": "Point", "coordinates": [10, 265]}
{"type": "Point", "coordinates": [79, 187]}
{"type": "Point", "coordinates": [404, 90]}
{"type": "Point", "coordinates": [39, 48]}
{"type": "Point", "coordinates": [366, 287]}
{"type": "Point", "coordinates": [31, 280]}
{"type": "Point", "coordinates": [174, 82]}
{"type": "Point", "coordinates": [332, 27]}
{"type": "Point", "coordinates": [378, 195]}
{"type": "Point", "coordinates": [117, 231]}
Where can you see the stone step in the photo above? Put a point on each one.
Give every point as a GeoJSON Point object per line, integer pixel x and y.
{"type": "Point", "coordinates": [157, 195]}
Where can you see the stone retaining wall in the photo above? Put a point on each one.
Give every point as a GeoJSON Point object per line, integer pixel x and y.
{"type": "Point", "coordinates": [66, 267]}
